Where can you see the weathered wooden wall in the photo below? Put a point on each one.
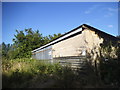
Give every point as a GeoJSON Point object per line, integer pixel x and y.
{"type": "Point", "coordinates": [74, 62]}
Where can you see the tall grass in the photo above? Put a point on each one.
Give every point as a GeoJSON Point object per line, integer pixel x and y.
{"type": "Point", "coordinates": [21, 73]}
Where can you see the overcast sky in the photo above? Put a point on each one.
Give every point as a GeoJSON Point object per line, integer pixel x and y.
{"type": "Point", "coordinates": [59, 17]}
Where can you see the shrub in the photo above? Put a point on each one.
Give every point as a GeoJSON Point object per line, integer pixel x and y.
{"type": "Point", "coordinates": [109, 69]}
{"type": "Point", "coordinates": [19, 71]}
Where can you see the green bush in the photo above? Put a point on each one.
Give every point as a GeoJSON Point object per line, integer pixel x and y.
{"type": "Point", "coordinates": [110, 72]}
{"type": "Point", "coordinates": [19, 71]}
{"type": "Point", "coordinates": [109, 69]}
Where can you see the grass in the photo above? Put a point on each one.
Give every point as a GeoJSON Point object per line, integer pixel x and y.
{"type": "Point", "coordinates": [26, 73]}
{"type": "Point", "coordinates": [31, 73]}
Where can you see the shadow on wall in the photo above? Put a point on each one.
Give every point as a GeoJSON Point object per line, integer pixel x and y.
{"type": "Point", "coordinates": [106, 64]}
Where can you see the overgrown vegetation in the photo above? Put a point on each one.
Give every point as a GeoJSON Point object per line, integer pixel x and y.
{"type": "Point", "coordinates": [30, 73]}
{"type": "Point", "coordinates": [109, 65]}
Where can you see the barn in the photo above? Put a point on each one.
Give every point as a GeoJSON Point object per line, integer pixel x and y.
{"type": "Point", "coordinates": [77, 42]}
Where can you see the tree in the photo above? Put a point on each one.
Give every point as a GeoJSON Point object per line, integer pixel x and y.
{"type": "Point", "coordinates": [25, 41]}
{"type": "Point", "coordinates": [28, 40]}
{"type": "Point", "coordinates": [49, 38]}
{"type": "Point", "coordinates": [5, 49]}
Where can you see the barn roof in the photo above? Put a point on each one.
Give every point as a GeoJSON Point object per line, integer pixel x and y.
{"type": "Point", "coordinates": [77, 31]}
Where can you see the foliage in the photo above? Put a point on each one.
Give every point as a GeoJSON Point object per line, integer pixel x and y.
{"type": "Point", "coordinates": [49, 38]}
{"type": "Point", "coordinates": [24, 72]}
{"type": "Point", "coordinates": [109, 69]}
{"type": "Point", "coordinates": [30, 73]}
{"type": "Point", "coordinates": [110, 72]}
{"type": "Point", "coordinates": [64, 78]}
{"type": "Point", "coordinates": [5, 48]}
